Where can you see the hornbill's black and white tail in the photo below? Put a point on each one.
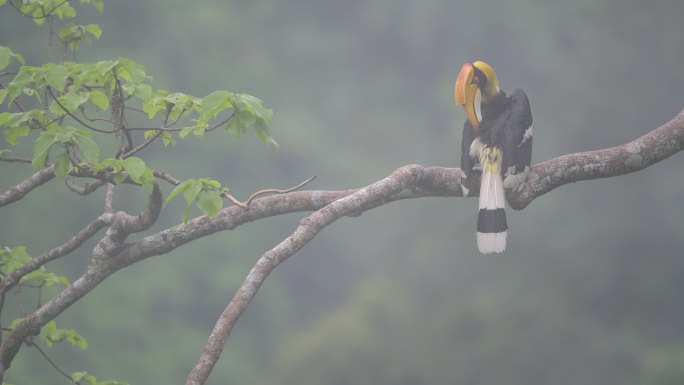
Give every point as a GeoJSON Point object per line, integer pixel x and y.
{"type": "Point", "coordinates": [492, 228]}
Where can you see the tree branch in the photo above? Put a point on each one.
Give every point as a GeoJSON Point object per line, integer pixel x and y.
{"type": "Point", "coordinates": [412, 181]}
{"type": "Point", "coordinates": [636, 155]}
{"type": "Point", "coordinates": [308, 228]}
{"type": "Point", "coordinates": [433, 182]}
{"type": "Point", "coordinates": [102, 264]}
{"type": "Point", "coordinates": [18, 191]}
{"type": "Point", "coordinates": [72, 244]}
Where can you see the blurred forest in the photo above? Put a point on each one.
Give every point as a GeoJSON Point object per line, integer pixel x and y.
{"type": "Point", "coordinates": [588, 292]}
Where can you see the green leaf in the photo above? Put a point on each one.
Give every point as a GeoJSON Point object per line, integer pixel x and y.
{"type": "Point", "coordinates": [216, 102]}
{"type": "Point", "coordinates": [72, 100]}
{"type": "Point", "coordinates": [62, 162]}
{"type": "Point", "coordinates": [119, 178]}
{"type": "Point", "coordinates": [5, 55]}
{"type": "Point", "coordinates": [50, 334]}
{"type": "Point", "coordinates": [210, 202]}
{"type": "Point", "coordinates": [12, 259]}
{"type": "Point", "coordinates": [56, 76]}
{"type": "Point", "coordinates": [104, 67]}
{"type": "Point", "coordinates": [154, 105]}
{"type": "Point", "coordinates": [168, 139]}
{"type": "Point", "coordinates": [41, 148]}
{"type": "Point", "coordinates": [131, 71]}
{"type": "Point", "coordinates": [48, 330]}
{"type": "Point", "coordinates": [77, 377]}
{"type": "Point", "coordinates": [20, 81]}
{"type": "Point", "coordinates": [147, 180]}
{"type": "Point", "coordinates": [179, 189]}
{"type": "Point", "coordinates": [3, 94]}
{"type": "Point", "coordinates": [191, 192]}
{"type": "Point", "coordinates": [135, 167]}
{"type": "Point", "coordinates": [185, 132]}
{"type": "Point", "coordinates": [94, 30]}
{"type": "Point", "coordinates": [97, 3]}
{"type": "Point", "coordinates": [264, 135]}
{"type": "Point", "coordinates": [233, 128]}
{"type": "Point", "coordinates": [4, 118]}
{"type": "Point", "coordinates": [75, 339]}
{"type": "Point", "coordinates": [99, 99]}
{"type": "Point", "coordinates": [12, 134]}
{"type": "Point", "coordinates": [104, 164]}
{"type": "Point", "coordinates": [42, 277]}
{"type": "Point", "coordinates": [89, 149]}
{"type": "Point", "coordinates": [143, 91]}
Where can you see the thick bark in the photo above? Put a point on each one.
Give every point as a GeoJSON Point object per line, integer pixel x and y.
{"type": "Point", "coordinates": [113, 253]}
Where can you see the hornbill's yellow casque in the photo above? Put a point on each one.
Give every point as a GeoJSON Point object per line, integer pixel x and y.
{"type": "Point", "coordinates": [497, 140]}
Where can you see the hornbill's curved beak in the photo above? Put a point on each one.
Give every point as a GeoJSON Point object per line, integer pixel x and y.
{"type": "Point", "coordinates": [467, 94]}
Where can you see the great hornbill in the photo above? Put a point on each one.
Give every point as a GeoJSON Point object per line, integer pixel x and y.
{"type": "Point", "coordinates": [497, 140]}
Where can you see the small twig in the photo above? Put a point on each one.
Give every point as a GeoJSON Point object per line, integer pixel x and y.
{"type": "Point", "coordinates": [275, 191]}
{"type": "Point", "coordinates": [14, 159]}
{"type": "Point", "coordinates": [84, 124]}
{"type": "Point", "coordinates": [245, 205]}
{"type": "Point", "coordinates": [52, 363]}
{"type": "Point", "coordinates": [85, 190]}
{"type": "Point", "coordinates": [142, 145]}
{"type": "Point", "coordinates": [233, 199]}
{"type": "Point", "coordinates": [166, 176]}
{"type": "Point", "coordinates": [177, 129]}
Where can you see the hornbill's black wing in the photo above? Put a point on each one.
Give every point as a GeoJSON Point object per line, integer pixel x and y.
{"type": "Point", "coordinates": [517, 146]}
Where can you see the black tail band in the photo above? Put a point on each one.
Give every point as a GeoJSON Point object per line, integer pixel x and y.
{"type": "Point", "coordinates": [491, 221]}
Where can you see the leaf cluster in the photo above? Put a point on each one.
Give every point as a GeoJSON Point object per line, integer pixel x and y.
{"type": "Point", "coordinates": [73, 120]}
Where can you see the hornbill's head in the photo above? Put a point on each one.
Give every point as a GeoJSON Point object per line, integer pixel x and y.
{"type": "Point", "coordinates": [476, 85]}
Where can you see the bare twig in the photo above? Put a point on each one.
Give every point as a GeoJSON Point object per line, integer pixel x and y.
{"type": "Point", "coordinates": [74, 117]}
{"type": "Point", "coordinates": [142, 145]}
{"type": "Point", "coordinates": [89, 187]}
{"type": "Point", "coordinates": [176, 129]}
{"type": "Point", "coordinates": [47, 358]}
{"type": "Point", "coordinates": [276, 191]}
{"type": "Point", "coordinates": [234, 200]}
{"type": "Point", "coordinates": [166, 176]}
{"type": "Point", "coordinates": [14, 159]}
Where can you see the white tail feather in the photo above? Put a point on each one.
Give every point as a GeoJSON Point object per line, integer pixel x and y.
{"type": "Point", "coordinates": [492, 191]}
{"type": "Point", "coordinates": [489, 243]}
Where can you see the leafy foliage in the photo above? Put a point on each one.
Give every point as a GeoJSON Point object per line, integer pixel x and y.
{"type": "Point", "coordinates": [76, 116]}
{"type": "Point", "coordinates": [204, 192]}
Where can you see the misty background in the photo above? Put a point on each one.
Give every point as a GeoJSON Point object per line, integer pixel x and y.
{"type": "Point", "coordinates": [588, 291]}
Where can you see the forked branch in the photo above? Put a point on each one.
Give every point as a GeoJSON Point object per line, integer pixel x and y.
{"type": "Point", "coordinates": [414, 180]}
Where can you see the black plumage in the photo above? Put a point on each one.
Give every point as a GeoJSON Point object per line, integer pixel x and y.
{"type": "Point", "coordinates": [497, 142]}
{"type": "Point", "coordinates": [505, 122]}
